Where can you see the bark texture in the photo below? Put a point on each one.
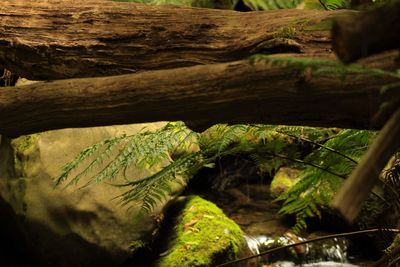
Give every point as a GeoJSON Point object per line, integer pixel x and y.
{"type": "Point", "coordinates": [358, 186]}
{"type": "Point", "coordinates": [364, 34]}
{"type": "Point", "coordinates": [236, 92]}
{"type": "Point", "coordinates": [58, 39]}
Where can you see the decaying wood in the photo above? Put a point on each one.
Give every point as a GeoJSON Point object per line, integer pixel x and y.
{"type": "Point", "coordinates": [58, 39]}
{"type": "Point", "coordinates": [363, 34]}
{"type": "Point", "coordinates": [236, 92]}
{"type": "Point", "coordinates": [358, 186]}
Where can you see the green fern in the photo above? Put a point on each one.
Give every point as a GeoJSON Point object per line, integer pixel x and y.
{"type": "Point", "coordinates": [316, 188]}
{"type": "Point", "coordinates": [159, 145]}
{"type": "Point", "coordinates": [147, 150]}
{"type": "Point", "coordinates": [155, 188]}
{"type": "Point", "coordinates": [335, 4]}
{"type": "Point", "coordinates": [85, 154]}
{"type": "Point", "coordinates": [252, 4]}
{"type": "Point", "coordinates": [269, 146]}
{"type": "Point", "coordinates": [284, 4]}
{"type": "Point", "coordinates": [271, 4]}
{"type": "Point", "coordinates": [322, 66]}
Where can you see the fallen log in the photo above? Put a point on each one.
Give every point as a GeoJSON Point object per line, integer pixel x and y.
{"type": "Point", "coordinates": [236, 92]}
{"type": "Point", "coordinates": [364, 34]}
{"type": "Point", "coordinates": [58, 39]}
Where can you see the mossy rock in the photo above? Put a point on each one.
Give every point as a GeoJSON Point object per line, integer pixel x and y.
{"type": "Point", "coordinates": [204, 236]}
{"type": "Point", "coordinates": [283, 180]}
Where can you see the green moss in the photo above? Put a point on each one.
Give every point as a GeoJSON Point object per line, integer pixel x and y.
{"type": "Point", "coordinates": [291, 30]}
{"type": "Point", "coordinates": [283, 180]}
{"type": "Point", "coordinates": [203, 236]}
{"type": "Point", "coordinates": [24, 142]}
{"type": "Point", "coordinates": [137, 244]}
{"type": "Point", "coordinates": [20, 145]}
{"type": "Point", "coordinates": [288, 32]}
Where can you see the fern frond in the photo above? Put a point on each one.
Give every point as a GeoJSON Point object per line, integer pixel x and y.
{"type": "Point", "coordinates": [145, 149]}
{"type": "Point", "coordinates": [157, 187]}
{"type": "Point", "coordinates": [269, 146]}
{"type": "Point", "coordinates": [322, 66]}
{"type": "Point", "coordinates": [83, 155]}
{"type": "Point", "coordinates": [334, 4]}
{"type": "Point", "coordinates": [271, 4]}
{"type": "Point", "coordinates": [107, 151]}
{"type": "Point", "coordinates": [232, 135]}
{"type": "Point", "coordinates": [316, 187]}
{"type": "Point", "coordinates": [219, 137]}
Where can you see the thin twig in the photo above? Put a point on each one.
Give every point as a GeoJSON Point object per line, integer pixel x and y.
{"type": "Point", "coordinates": [307, 163]}
{"type": "Point", "coordinates": [321, 146]}
{"type": "Point", "coordinates": [309, 241]}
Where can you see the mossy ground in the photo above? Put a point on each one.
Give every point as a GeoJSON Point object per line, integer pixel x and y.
{"type": "Point", "coordinates": [203, 236]}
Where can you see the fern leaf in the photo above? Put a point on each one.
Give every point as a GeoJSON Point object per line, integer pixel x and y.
{"type": "Point", "coordinates": [316, 188]}
{"type": "Point", "coordinates": [271, 4]}
{"type": "Point", "coordinates": [334, 4]}
{"type": "Point", "coordinates": [322, 66]}
{"type": "Point", "coordinates": [83, 155]}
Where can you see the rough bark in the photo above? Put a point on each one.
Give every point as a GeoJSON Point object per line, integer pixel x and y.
{"type": "Point", "coordinates": [360, 35]}
{"type": "Point", "coordinates": [236, 92]}
{"type": "Point", "coordinates": [57, 39]}
{"type": "Point", "coordinates": [358, 186]}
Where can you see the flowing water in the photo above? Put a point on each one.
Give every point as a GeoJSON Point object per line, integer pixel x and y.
{"type": "Point", "coordinates": [326, 253]}
{"type": "Point", "coordinates": [316, 264]}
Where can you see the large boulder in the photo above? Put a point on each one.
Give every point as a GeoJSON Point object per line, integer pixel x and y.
{"type": "Point", "coordinates": [70, 227]}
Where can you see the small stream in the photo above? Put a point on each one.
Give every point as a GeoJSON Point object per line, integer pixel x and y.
{"type": "Point", "coordinates": [266, 229]}
{"type": "Point", "coordinates": [326, 253]}
{"type": "Point", "coordinates": [247, 200]}
{"type": "Point", "coordinates": [316, 264]}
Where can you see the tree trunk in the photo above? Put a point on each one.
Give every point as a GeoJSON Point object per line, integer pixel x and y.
{"type": "Point", "coordinates": [236, 92]}
{"type": "Point", "coordinates": [58, 39]}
